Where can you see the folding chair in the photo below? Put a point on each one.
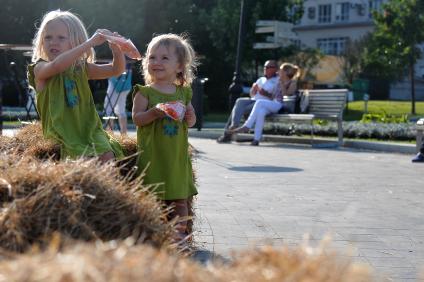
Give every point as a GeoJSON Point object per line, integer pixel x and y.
{"type": "Point", "coordinates": [113, 116]}
{"type": "Point", "coordinates": [30, 105]}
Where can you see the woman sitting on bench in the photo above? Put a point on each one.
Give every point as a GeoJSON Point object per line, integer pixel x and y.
{"type": "Point", "coordinates": [287, 87]}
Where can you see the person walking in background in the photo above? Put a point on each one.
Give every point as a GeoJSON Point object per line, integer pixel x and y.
{"type": "Point", "coordinates": [260, 90]}
{"type": "Point", "coordinates": [419, 158]}
{"type": "Point", "coordinates": [168, 69]}
{"type": "Point", "coordinates": [116, 98]}
{"type": "Point", "coordinates": [63, 59]}
{"type": "Point", "coordinates": [287, 87]}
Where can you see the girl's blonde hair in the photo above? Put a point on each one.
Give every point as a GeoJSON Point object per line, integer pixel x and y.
{"type": "Point", "coordinates": [76, 30]}
{"type": "Point", "coordinates": [291, 70]}
{"type": "Point", "coordinates": [185, 55]}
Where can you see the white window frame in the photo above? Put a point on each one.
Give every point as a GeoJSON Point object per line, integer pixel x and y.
{"type": "Point", "coordinates": [332, 45]}
{"type": "Point", "coordinates": [324, 13]}
{"type": "Point", "coordinates": [342, 11]}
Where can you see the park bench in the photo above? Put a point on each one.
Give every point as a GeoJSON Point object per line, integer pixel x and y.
{"type": "Point", "coordinates": [326, 104]}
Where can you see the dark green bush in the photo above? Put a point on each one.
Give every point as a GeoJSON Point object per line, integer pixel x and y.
{"type": "Point", "coordinates": [352, 129]}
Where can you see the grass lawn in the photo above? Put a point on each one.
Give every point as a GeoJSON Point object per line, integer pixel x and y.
{"type": "Point", "coordinates": [12, 123]}
{"type": "Point", "coordinates": [355, 109]}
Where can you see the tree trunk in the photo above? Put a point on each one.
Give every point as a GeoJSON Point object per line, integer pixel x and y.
{"type": "Point", "coordinates": [412, 77]}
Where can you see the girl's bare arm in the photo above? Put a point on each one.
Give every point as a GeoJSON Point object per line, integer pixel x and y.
{"type": "Point", "coordinates": [190, 115]}
{"type": "Point", "coordinates": [140, 115]}
{"type": "Point", "coordinates": [291, 90]}
{"type": "Point", "coordinates": [45, 70]}
{"type": "Point", "coordinates": [108, 70]}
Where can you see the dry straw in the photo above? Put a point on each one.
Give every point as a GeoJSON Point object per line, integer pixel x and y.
{"type": "Point", "coordinates": [29, 142]}
{"type": "Point", "coordinates": [81, 199]}
{"type": "Point", "coordinates": [125, 262]}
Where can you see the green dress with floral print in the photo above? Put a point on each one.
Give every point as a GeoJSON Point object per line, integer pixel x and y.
{"type": "Point", "coordinates": [163, 147]}
{"type": "Point", "coordinates": [68, 115]}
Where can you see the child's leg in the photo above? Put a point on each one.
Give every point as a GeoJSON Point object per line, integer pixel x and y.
{"type": "Point", "coordinates": [180, 209]}
{"type": "Point", "coordinates": [120, 111]}
{"type": "Point", "coordinates": [110, 124]}
{"type": "Point", "coordinates": [123, 124]}
{"type": "Point", "coordinates": [106, 157]}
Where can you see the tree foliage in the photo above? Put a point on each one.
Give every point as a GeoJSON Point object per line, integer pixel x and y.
{"type": "Point", "coordinates": [212, 26]}
{"type": "Point", "coordinates": [393, 49]}
{"type": "Point", "coordinates": [352, 58]}
{"type": "Point", "coordinates": [394, 41]}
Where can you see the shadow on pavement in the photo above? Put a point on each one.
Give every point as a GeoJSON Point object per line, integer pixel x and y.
{"type": "Point", "coordinates": [265, 168]}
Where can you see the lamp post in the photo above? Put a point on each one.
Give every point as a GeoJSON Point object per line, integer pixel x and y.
{"type": "Point", "coordinates": [236, 87]}
{"type": "Point", "coordinates": [1, 107]}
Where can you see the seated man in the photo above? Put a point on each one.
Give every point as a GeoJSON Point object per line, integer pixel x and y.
{"type": "Point", "coordinates": [261, 89]}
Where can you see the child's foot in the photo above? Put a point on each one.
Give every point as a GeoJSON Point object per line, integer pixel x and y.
{"type": "Point", "coordinates": [182, 241]}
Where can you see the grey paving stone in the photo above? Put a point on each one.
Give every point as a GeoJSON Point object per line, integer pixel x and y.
{"type": "Point", "coordinates": [277, 193]}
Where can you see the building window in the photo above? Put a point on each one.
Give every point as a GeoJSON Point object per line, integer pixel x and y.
{"type": "Point", "coordinates": [374, 5]}
{"type": "Point", "coordinates": [311, 13]}
{"type": "Point", "coordinates": [324, 13]}
{"type": "Point", "coordinates": [342, 12]}
{"type": "Point", "coordinates": [332, 46]}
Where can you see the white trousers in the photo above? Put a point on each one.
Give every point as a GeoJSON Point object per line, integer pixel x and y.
{"type": "Point", "coordinates": [258, 114]}
{"type": "Point", "coordinates": [116, 102]}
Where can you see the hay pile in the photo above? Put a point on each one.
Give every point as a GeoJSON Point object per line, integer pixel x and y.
{"type": "Point", "coordinates": [80, 199]}
{"type": "Point", "coordinates": [124, 262]}
{"type": "Point", "coordinates": [29, 141]}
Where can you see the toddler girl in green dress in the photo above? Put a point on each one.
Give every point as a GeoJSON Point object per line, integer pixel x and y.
{"type": "Point", "coordinates": [63, 59]}
{"type": "Point", "coordinates": [163, 142]}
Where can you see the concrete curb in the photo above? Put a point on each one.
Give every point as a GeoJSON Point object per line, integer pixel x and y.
{"type": "Point", "coordinates": [214, 132]}
{"type": "Point", "coordinates": [392, 147]}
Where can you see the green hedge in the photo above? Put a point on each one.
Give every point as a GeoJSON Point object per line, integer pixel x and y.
{"type": "Point", "coordinates": [352, 129]}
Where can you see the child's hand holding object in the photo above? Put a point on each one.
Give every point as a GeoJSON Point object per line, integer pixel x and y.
{"type": "Point", "coordinates": [175, 110]}
{"type": "Point", "coordinates": [124, 44]}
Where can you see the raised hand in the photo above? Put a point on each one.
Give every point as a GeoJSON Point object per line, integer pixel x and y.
{"type": "Point", "coordinates": [98, 37]}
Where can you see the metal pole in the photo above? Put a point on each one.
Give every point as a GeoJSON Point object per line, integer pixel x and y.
{"type": "Point", "coordinates": [236, 87]}
{"type": "Point", "coordinates": [1, 108]}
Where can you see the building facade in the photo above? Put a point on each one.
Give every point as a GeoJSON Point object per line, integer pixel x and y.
{"type": "Point", "coordinates": [329, 24]}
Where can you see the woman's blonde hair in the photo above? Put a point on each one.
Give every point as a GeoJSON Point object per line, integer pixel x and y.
{"type": "Point", "coordinates": [185, 55]}
{"type": "Point", "coordinates": [76, 30]}
{"type": "Point", "coordinates": [291, 70]}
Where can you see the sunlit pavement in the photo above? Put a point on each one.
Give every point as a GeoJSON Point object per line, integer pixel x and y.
{"type": "Point", "coordinates": [371, 203]}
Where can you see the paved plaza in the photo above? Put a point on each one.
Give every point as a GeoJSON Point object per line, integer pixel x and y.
{"type": "Point", "coordinates": [371, 203]}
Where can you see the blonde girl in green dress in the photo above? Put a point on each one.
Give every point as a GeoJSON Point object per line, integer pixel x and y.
{"type": "Point", "coordinates": [163, 142]}
{"type": "Point", "coordinates": [63, 61]}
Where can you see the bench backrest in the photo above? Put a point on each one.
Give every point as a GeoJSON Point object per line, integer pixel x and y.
{"type": "Point", "coordinates": [327, 101]}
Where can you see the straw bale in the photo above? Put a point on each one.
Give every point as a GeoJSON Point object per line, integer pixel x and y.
{"type": "Point", "coordinates": [29, 141]}
{"type": "Point", "coordinates": [122, 261]}
{"type": "Point", "coordinates": [81, 199]}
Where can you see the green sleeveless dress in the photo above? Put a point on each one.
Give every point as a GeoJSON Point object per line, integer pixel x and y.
{"type": "Point", "coordinates": [69, 117]}
{"type": "Point", "coordinates": [163, 147]}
